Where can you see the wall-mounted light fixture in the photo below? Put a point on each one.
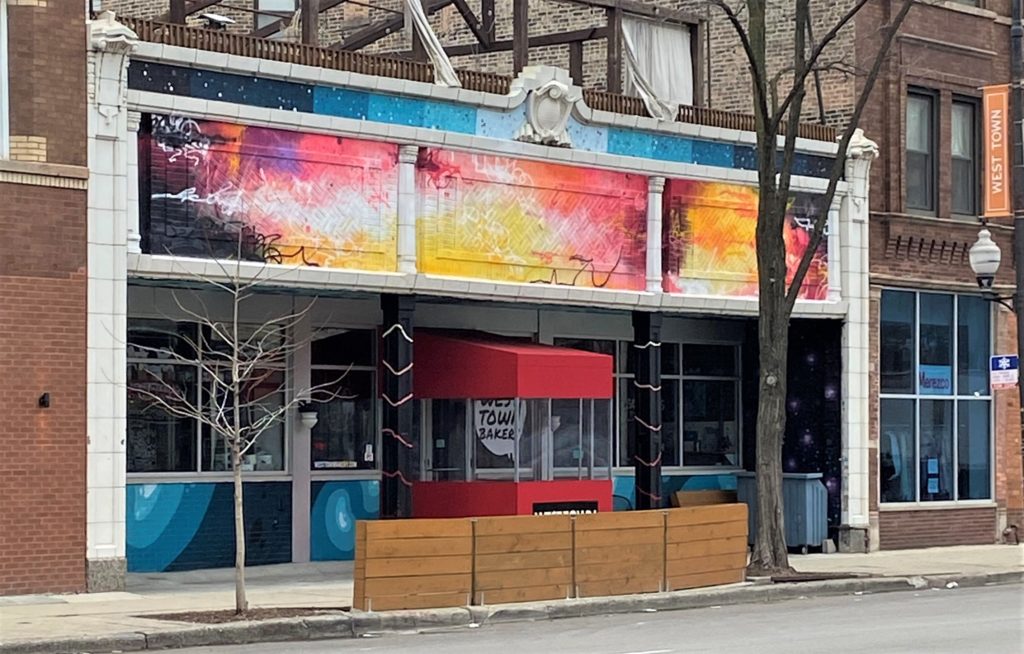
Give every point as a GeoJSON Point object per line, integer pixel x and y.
{"type": "Point", "coordinates": [44, 401]}
{"type": "Point", "coordinates": [307, 415]}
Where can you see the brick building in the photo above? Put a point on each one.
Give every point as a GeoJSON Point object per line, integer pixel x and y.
{"type": "Point", "coordinates": [43, 179]}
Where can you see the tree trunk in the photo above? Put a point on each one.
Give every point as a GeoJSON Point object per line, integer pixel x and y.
{"type": "Point", "coordinates": [241, 604]}
{"type": "Point", "coordinates": [770, 555]}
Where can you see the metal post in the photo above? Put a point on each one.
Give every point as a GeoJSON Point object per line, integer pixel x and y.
{"type": "Point", "coordinates": [399, 455]}
{"type": "Point", "coordinates": [1017, 108]}
{"type": "Point", "coordinates": [647, 389]}
{"type": "Point", "coordinates": [178, 12]}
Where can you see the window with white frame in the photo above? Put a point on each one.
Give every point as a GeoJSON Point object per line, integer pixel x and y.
{"type": "Point", "coordinates": [700, 401]}
{"type": "Point", "coordinates": [5, 107]}
{"type": "Point", "coordinates": [935, 411]}
{"type": "Point", "coordinates": [344, 372]}
{"type": "Point", "coordinates": [162, 355]}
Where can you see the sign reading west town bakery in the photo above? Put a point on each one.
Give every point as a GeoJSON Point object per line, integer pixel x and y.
{"type": "Point", "coordinates": [997, 150]}
{"type": "Point", "coordinates": [498, 424]}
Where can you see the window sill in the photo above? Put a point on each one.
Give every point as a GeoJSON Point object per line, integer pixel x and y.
{"type": "Point", "coordinates": [44, 174]}
{"type": "Point", "coordinates": [936, 506]}
{"type": "Point", "coordinates": [202, 477]}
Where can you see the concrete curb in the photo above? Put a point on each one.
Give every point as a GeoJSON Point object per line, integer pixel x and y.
{"type": "Point", "coordinates": [359, 623]}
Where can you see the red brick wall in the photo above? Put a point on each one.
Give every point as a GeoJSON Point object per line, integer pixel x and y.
{"type": "Point", "coordinates": [1009, 478]}
{"type": "Point", "coordinates": [43, 311]}
{"type": "Point", "coordinates": [912, 529]}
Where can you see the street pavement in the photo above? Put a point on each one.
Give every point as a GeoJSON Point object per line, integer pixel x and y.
{"type": "Point", "coordinates": [960, 620]}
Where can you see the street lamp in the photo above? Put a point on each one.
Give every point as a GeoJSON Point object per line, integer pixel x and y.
{"type": "Point", "coordinates": [985, 257]}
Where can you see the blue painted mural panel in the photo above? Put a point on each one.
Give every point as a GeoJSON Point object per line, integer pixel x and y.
{"type": "Point", "coordinates": [187, 526]}
{"type": "Point", "coordinates": [445, 116]}
{"type": "Point", "coordinates": [336, 505]}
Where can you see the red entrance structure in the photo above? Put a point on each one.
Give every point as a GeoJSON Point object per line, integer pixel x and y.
{"type": "Point", "coordinates": [511, 427]}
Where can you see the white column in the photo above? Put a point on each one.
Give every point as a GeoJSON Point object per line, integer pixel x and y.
{"type": "Point", "coordinates": [300, 449]}
{"type": "Point", "coordinates": [407, 155]}
{"type": "Point", "coordinates": [134, 233]}
{"type": "Point", "coordinates": [655, 188]}
{"type": "Point", "coordinates": [853, 238]}
{"type": "Point", "coordinates": [107, 119]}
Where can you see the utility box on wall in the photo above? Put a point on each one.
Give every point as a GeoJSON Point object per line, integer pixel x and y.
{"type": "Point", "coordinates": [804, 502]}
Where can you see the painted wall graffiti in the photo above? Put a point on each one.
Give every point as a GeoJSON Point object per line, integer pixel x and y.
{"type": "Point", "coordinates": [293, 198]}
{"type": "Point", "coordinates": [188, 526]}
{"type": "Point", "coordinates": [709, 240]}
{"type": "Point", "coordinates": [336, 505]}
{"type": "Point", "coordinates": [513, 220]}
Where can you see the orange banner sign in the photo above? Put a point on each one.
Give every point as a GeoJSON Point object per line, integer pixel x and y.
{"type": "Point", "coordinates": [997, 150]}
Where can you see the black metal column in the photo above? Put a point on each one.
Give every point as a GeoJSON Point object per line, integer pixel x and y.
{"type": "Point", "coordinates": [399, 451]}
{"type": "Point", "coordinates": [647, 390]}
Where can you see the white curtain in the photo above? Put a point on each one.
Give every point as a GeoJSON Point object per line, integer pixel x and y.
{"type": "Point", "coordinates": [444, 73]}
{"type": "Point", "coordinates": [658, 62]}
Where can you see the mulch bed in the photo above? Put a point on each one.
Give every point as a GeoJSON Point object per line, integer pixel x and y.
{"type": "Point", "coordinates": [229, 615]}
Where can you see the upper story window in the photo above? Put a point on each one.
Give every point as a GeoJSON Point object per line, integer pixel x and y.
{"type": "Point", "coordinates": [5, 113]}
{"type": "Point", "coordinates": [964, 150]}
{"type": "Point", "coordinates": [664, 58]}
{"type": "Point", "coordinates": [920, 159]}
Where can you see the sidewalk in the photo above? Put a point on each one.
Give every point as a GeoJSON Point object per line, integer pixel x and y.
{"type": "Point", "coordinates": [36, 623]}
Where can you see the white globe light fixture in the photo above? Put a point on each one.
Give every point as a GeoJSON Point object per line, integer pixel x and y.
{"type": "Point", "coordinates": [985, 258]}
{"type": "Point", "coordinates": [307, 415]}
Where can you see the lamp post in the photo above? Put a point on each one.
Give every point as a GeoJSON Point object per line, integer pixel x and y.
{"type": "Point", "coordinates": [985, 258]}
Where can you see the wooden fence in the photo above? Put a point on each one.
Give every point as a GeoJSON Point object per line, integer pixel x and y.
{"type": "Point", "coordinates": [412, 564]}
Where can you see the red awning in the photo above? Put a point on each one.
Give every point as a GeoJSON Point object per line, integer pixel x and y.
{"type": "Point", "coordinates": [480, 367]}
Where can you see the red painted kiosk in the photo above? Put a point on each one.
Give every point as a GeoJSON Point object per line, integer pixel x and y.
{"type": "Point", "coordinates": [511, 427]}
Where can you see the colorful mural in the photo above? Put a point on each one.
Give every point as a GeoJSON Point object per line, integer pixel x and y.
{"type": "Point", "coordinates": [187, 526]}
{"type": "Point", "coordinates": [304, 199]}
{"type": "Point", "coordinates": [336, 507]}
{"type": "Point", "coordinates": [709, 240]}
{"type": "Point", "coordinates": [513, 220]}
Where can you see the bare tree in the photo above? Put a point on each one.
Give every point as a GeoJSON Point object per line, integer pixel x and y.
{"type": "Point", "coordinates": [244, 391]}
{"type": "Point", "coordinates": [778, 103]}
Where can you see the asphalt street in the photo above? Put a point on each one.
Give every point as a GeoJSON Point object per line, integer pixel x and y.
{"type": "Point", "coordinates": [934, 621]}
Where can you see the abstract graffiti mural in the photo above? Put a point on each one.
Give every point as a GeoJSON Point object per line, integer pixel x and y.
{"type": "Point", "coordinates": [187, 526]}
{"type": "Point", "coordinates": [336, 507]}
{"type": "Point", "coordinates": [284, 197]}
{"type": "Point", "coordinates": [512, 220]}
{"type": "Point", "coordinates": [709, 240]}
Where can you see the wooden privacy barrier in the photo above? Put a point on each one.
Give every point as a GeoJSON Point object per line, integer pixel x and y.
{"type": "Point", "coordinates": [413, 564]}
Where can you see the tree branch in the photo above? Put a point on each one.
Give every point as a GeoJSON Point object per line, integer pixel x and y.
{"type": "Point", "coordinates": [839, 164]}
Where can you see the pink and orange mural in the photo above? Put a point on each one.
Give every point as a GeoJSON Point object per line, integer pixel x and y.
{"type": "Point", "coordinates": [292, 198]}
{"type": "Point", "coordinates": [709, 240]}
{"type": "Point", "coordinates": [513, 220]}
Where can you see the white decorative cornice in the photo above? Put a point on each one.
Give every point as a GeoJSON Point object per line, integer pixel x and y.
{"type": "Point", "coordinates": [861, 147]}
{"type": "Point", "coordinates": [550, 98]}
{"type": "Point", "coordinates": [108, 35]}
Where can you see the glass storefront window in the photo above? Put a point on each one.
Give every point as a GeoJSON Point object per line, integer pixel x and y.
{"type": "Point", "coordinates": [710, 427]}
{"type": "Point", "coordinates": [935, 425]}
{"type": "Point", "coordinates": [344, 436]}
{"type": "Point", "coordinates": [159, 441]}
{"type": "Point", "coordinates": [897, 342]}
{"type": "Point", "coordinates": [261, 399]}
{"type": "Point", "coordinates": [897, 471]}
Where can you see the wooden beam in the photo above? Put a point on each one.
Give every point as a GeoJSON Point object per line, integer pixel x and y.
{"type": "Point", "coordinates": [177, 12]}
{"type": "Point", "coordinates": [614, 79]}
{"type": "Point", "coordinates": [489, 19]}
{"type": "Point", "coordinates": [697, 35]}
{"type": "Point", "coordinates": [520, 35]}
{"type": "Point", "coordinates": [310, 21]}
{"type": "Point", "coordinates": [561, 38]}
{"type": "Point", "coordinates": [273, 28]}
{"type": "Point", "coordinates": [475, 24]}
{"type": "Point", "coordinates": [372, 33]}
{"type": "Point", "coordinates": [641, 8]}
{"type": "Point", "coordinates": [576, 62]}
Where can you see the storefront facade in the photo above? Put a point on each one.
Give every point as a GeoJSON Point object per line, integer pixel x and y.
{"type": "Point", "coordinates": [384, 208]}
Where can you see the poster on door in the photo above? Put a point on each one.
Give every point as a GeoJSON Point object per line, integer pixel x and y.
{"type": "Point", "coordinates": [498, 424]}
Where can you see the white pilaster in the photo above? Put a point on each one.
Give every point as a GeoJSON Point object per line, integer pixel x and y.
{"type": "Point", "coordinates": [134, 233]}
{"type": "Point", "coordinates": [853, 239]}
{"type": "Point", "coordinates": [655, 189]}
{"type": "Point", "coordinates": [301, 439]}
{"type": "Point", "coordinates": [407, 155]}
{"type": "Point", "coordinates": [110, 45]}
